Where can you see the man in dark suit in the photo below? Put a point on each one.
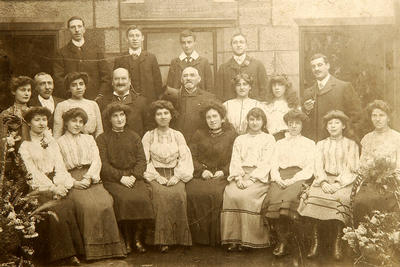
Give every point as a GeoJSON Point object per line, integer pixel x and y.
{"type": "Point", "coordinates": [43, 97]}
{"type": "Point", "coordinates": [240, 62]}
{"type": "Point", "coordinates": [81, 55]}
{"type": "Point", "coordinates": [142, 66]}
{"type": "Point", "coordinates": [190, 101]}
{"type": "Point", "coordinates": [124, 93]}
{"type": "Point", "coordinates": [328, 93]}
{"type": "Point", "coordinates": [190, 58]}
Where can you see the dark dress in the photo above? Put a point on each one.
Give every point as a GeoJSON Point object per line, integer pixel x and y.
{"type": "Point", "coordinates": [204, 197]}
{"type": "Point", "coordinates": [122, 154]}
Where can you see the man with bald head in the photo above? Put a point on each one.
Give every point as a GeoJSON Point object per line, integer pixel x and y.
{"type": "Point", "coordinates": [123, 92]}
{"type": "Point", "coordinates": [190, 102]}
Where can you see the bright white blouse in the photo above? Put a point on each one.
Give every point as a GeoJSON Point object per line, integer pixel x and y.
{"type": "Point", "coordinates": [78, 150]}
{"type": "Point", "coordinates": [252, 151]}
{"type": "Point", "coordinates": [94, 124]}
{"type": "Point", "coordinates": [338, 157]}
{"type": "Point", "coordinates": [294, 151]}
{"type": "Point", "coordinates": [275, 112]}
{"type": "Point", "coordinates": [381, 145]}
{"type": "Point", "coordinates": [167, 150]}
{"type": "Point", "coordinates": [236, 112]}
{"type": "Point", "coordinates": [40, 161]}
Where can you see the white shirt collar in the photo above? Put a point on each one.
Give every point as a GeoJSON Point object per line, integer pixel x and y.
{"type": "Point", "coordinates": [322, 83]}
{"type": "Point", "coordinates": [78, 44]}
{"type": "Point", "coordinates": [121, 97]}
{"type": "Point", "coordinates": [48, 103]}
{"type": "Point", "coordinates": [239, 59]}
{"type": "Point", "coordinates": [136, 52]}
{"type": "Point", "coordinates": [194, 55]}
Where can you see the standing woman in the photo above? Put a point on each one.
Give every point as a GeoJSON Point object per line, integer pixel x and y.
{"type": "Point", "coordinates": [328, 198]}
{"type": "Point", "coordinates": [169, 167]}
{"type": "Point", "coordinates": [382, 143]}
{"type": "Point", "coordinates": [292, 165]}
{"type": "Point", "coordinates": [283, 99]}
{"type": "Point", "coordinates": [94, 205]}
{"type": "Point", "coordinates": [123, 165]}
{"type": "Point", "coordinates": [211, 148]}
{"type": "Point", "coordinates": [242, 224]}
{"type": "Point", "coordinates": [60, 237]}
{"type": "Point", "coordinates": [75, 83]}
{"type": "Point", "coordinates": [237, 108]}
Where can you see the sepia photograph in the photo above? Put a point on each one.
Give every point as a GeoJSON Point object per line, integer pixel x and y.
{"type": "Point", "coordinates": [191, 133]}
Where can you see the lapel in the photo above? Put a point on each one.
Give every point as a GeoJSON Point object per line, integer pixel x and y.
{"type": "Point", "coordinates": [330, 85]}
{"type": "Point", "coordinates": [73, 49]}
{"type": "Point", "coordinates": [234, 65]}
{"type": "Point", "coordinates": [142, 56]}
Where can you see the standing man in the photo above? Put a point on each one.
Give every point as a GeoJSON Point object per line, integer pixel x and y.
{"type": "Point", "coordinates": [328, 93]}
{"type": "Point", "coordinates": [190, 101]}
{"type": "Point", "coordinates": [240, 62]}
{"type": "Point", "coordinates": [190, 58]}
{"type": "Point", "coordinates": [44, 98]}
{"type": "Point", "coordinates": [81, 55]}
{"type": "Point", "coordinates": [142, 66]}
{"type": "Point", "coordinates": [123, 93]}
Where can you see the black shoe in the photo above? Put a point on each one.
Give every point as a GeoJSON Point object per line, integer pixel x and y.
{"type": "Point", "coordinates": [74, 261]}
{"type": "Point", "coordinates": [280, 250]}
{"type": "Point", "coordinates": [314, 250]}
{"type": "Point", "coordinates": [164, 249]}
{"type": "Point", "coordinates": [139, 246]}
{"type": "Point", "coordinates": [232, 248]}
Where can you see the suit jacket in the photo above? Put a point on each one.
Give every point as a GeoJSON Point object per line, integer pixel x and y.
{"type": "Point", "coordinates": [336, 94]}
{"type": "Point", "coordinates": [137, 120]}
{"type": "Point", "coordinates": [201, 64]}
{"type": "Point", "coordinates": [88, 59]}
{"type": "Point", "coordinates": [189, 107]}
{"type": "Point", "coordinates": [34, 102]}
{"type": "Point", "coordinates": [150, 85]}
{"type": "Point", "coordinates": [224, 88]}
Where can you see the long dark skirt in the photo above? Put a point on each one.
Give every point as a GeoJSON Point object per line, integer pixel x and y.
{"type": "Point", "coordinates": [170, 208]}
{"type": "Point", "coordinates": [96, 220]}
{"type": "Point", "coordinates": [370, 198]}
{"type": "Point", "coordinates": [59, 237]}
{"type": "Point", "coordinates": [131, 203]}
{"type": "Point", "coordinates": [283, 201]}
{"type": "Point", "coordinates": [204, 199]}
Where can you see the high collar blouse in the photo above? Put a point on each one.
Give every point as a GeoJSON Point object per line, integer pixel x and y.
{"type": "Point", "coordinates": [167, 150]}
{"type": "Point", "coordinates": [236, 112]}
{"type": "Point", "coordinates": [252, 151]}
{"type": "Point", "coordinates": [94, 124]}
{"type": "Point", "coordinates": [275, 112]}
{"type": "Point", "coordinates": [294, 151]}
{"type": "Point", "coordinates": [41, 161]}
{"type": "Point", "coordinates": [79, 150]}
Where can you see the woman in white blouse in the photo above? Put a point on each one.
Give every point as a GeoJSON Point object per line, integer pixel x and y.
{"type": "Point", "coordinates": [283, 98]}
{"type": "Point", "coordinates": [237, 108]}
{"type": "Point", "coordinates": [169, 167]}
{"type": "Point", "coordinates": [43, 161]}
{"type": "Point", "coordinates": [94, 205]}
{"type": "Point", "coordinates": [241, 222]}
{"type": "Point", "coordinates": [327, 201]}
{"type": "Point", "coordinates": [75, 84]}
{"type": "Point", "coordinates": [292, 165]}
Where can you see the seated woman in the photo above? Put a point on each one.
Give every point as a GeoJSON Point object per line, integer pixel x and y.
{"type": "Point", "coordinates": [94, 205]}
{"type": "Point", "coordinates": [169, 167]}
{"type": "Point", "coordinates": [328, 198]}
{"type": "Point", "coordinates": [75, 83]}
{"type": "Point", "coordinates": [237, 108]}
{"type": "Point", "coordinates": [292, 165]}
{"type": "Point", "coordinates": [123, 165]}
{"type": "Point", "coordinates": [382, 143]}
{"type": "Point", "coordinates": [211, 148]}
{"type": "Point", "coordinates": [241, 222]}
{"type": "Point", "coordinates": [60, 237]}
{"type": "Point", "coordinates": [283, 99]}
